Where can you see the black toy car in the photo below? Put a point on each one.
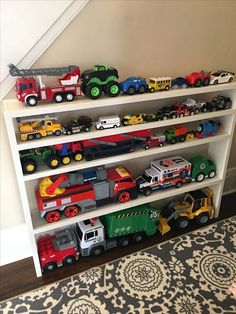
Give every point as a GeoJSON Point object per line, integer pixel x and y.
{"type": "Point", "coordinates": [83, 124]}
{"type": "Point", "coordinates": [219, 103]}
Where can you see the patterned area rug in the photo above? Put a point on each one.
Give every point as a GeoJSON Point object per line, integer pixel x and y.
{"type": "Point", "coordinates": [188, 275]}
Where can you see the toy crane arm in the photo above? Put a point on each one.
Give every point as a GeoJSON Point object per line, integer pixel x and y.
{"type": "Point", "coordinates": [49, 188]}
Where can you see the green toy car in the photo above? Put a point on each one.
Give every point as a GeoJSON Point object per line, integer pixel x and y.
{"type": "Point", "coordinates": [201, 168]}
{"type": "Point", "coordinates": [30, 159]}
{"type": "Point", "coordinates": [100, 79]}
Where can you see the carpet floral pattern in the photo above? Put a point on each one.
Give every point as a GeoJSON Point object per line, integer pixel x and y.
{"type": "Point", "coordinates": [187, 275]}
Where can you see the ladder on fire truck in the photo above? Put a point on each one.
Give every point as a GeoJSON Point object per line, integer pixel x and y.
{"type": "Point", "coordinates": [72, 73]}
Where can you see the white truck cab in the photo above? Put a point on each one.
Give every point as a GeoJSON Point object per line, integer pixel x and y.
{"type": "Point", "coordinates": [108, 122]}
{"type": "Point", "coordinates": [91, 237]}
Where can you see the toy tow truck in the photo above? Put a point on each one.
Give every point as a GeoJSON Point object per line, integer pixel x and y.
{"type": "Point", "coordinates": [30, 89]}
{"type": "Point", "coordinates": [196, 205]}
{"type": "Point", "coordinates": [35, 128]}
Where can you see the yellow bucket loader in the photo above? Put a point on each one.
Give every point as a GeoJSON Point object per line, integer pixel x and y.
{"type": "Point", "coordinates": [196, 205]}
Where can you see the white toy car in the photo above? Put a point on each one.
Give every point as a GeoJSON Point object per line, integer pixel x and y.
{"type": "Point", "coordinates": [108, 122]}
{"type": "Point", "coordinates": [221, 77]}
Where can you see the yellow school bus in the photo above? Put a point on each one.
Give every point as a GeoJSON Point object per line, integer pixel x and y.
{"type": "Point", "coordinates": [159, 83]}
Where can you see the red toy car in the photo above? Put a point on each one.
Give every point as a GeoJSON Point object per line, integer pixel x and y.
{"type": "Point", "coordinates": [155, 141]}
{"type": "Point", "coordinates": [198, 79]}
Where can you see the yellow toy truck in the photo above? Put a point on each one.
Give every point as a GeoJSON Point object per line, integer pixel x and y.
{"type": "Point", "coordinates": [33, 128]}
{"type": "Point", "coordinates": [196, 205]}
{"type": "Point", "coordinates": [159, 83]}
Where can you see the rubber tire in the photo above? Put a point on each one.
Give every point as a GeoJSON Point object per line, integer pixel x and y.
{"type": "Point", "coordinates": [69, 260]}
{"type": "Point", "coordinates": [178, 184]}
{"type": "Point", "coordinates": [27, 162]}
{"type": "Point", "coordinates": [109, 87]}
{"type": "Point", "coordinates": [96, 251]}
{"type": "Point", "coordinates": [201, 175]}
{"type": "Point", "coordinates": [212, 174]}
{"type": "Point", "coordinates": [142, 89]}
{"type": "Point", "coordinates": [202, 219]}
{"type": "Point", "coordinates": [182, 221]}
{"type": "Point", "coordinates": [50, 160]}
{"type": "Point", "coordinates": [49, 267]}
{"type": "Point", "coordinates": [123, 242]}
{"type": "Point", "coordinates": [89, 89]}
{"type": "Point", "coordinates": [58, 98]}
{"type": "Point", "coordinates": [147, 192]}
{"type": "Point", "coordinates": [131, 90]}
{"type": "Point", "coordinates": [71, 98]}
{"type": "Point", "coordinates": [34, 103]}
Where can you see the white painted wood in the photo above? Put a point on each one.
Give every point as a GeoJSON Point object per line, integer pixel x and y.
{"type": "Point", "coordinates": [26, 46]}
{"type": "Point", "coordinates": [217, 147]}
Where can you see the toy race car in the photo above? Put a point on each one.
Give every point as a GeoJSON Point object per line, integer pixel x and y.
{"type": "Point", "coordinates": [221, 77]}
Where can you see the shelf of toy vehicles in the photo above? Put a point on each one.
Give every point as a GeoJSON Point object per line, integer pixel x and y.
{"type": "Point", "coordinates": [52, 140]}
{"type": "Point", "coordinates": [41, 226]}
{"type": "Point", "coordinates": [16, 109]}
{"type": "Point", "coordinates": [138, 153]}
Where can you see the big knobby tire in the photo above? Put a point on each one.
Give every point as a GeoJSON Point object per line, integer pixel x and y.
{"type": "Point", "coordinates": [112, 89]}
{"type": "Point", "coordinates": [29, 166]}
{"type": "Point", "coordinates": [93, 91]}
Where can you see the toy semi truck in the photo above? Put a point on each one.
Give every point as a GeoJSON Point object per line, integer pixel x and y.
{"type": "Point", "coordinates": [116, 229]}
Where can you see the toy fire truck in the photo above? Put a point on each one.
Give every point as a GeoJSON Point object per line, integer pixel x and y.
{"type": "Point", "coordinates": [165, 173]}
{"type": "Point", "coordinates": [57, 250]}
{"type": "Point", "coordinates": [56, 195]}
{"type": "Point", "coordinates": [30, 89]}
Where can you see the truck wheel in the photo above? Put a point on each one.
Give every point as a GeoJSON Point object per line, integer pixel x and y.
{"type": "Point", "coordinates": [53, 162]}
{"type": "Point", "coordinates": [178, 184]}
{"type": "Point", "coordinates": [142, 89]}
{"type": "Point", "coordinates": [71, 211]}
{"type": "Point", "coordinates": [131, 90]}
{"type": "Point", "coordinates": [206, 82]}
{"type": "Point", "coordinates": [29, 166]}
{"type": "Point", "coordinates": [200, 177]}
{"type": "Point", "coordinates": [112, 89]}
{"type": "Point", "coordinates": [68, 132]}
{"type": "Point", "coordinates": [96, 251]}
{"type": "Point", "coordinates": [204, 109]}
{"type": "Point", "coordinates": [30, 137]}
{"type": "Point", "coordinates": [57, 133]}
{"type": "Point", "coordinates": [196, 111]}
{"type": "Point", "coordinates": [167, 87]}
{"type": "Point", "coordinates": [202, 219]}
{"type": "Point", "coordinates": [146, 146]}
{"type": "Point", "coordinates": [198, 83]}
{"type": "Point", "coordinates": [152, 90]}
{"type": "Point", "coordinates": [138, 237]}
{"type": "Point", "coordinates": [58, 97]}
{"type": "Point", "coordinates": [94, 91]}
{"type": "Point", "coordinates": [78, 156]}
{"type": "Point", "coordinates": [69, 96]}
{"type": "Point", "coordinates": [69, 260]}
{"type": "Point", "coordinates": [124, 197]}
{"type": "Point", "coordinates": [66, 160]}
{"type": "Point", "coordinates": [147, 192]}
{"type": "Point", "coordinates": [37, 136]}
{"type": "Point", "coordinates": [182, 222]}
{"type": "Point", "coordinates": [50, 266]}
{"type": "Point", "coordinates": [173, 141]}
{"type": "Point", "coordinates": [53, 216]}
{"type": "Point", "coordinates": [123, 242]}
{"type": "Point", "coordinates": [174, 116]}
{"type": "Point", "coordinates": [32, 101]}
{"type": "Point", "coordinates": [212, 174]}
{"type": "Point", "coordinates": [87, 129]}
{"type": "Point", "coordinates": [182, 139]}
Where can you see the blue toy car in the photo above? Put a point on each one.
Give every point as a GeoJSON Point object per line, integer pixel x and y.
{"type": "Point", "coordinates": [133, 85]}
{"type": "Point", "coordinates": [179, 82]}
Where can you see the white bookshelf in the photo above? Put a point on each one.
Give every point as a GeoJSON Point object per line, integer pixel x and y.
{"type": "Point", "coordinates": [216, 148]}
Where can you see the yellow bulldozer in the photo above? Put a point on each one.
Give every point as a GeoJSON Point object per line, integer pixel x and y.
{"type": "Point", "coordinates": [196, 205]}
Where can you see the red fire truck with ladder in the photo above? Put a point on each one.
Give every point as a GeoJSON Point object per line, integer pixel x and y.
{"type": "Point", "coordinates": [30, 89]}
{"type": "Point", "coordinates": [53, 197]}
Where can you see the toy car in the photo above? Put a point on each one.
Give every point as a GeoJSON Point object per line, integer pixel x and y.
{"type": "Point", "coordinates": [221, 77]}
{"type": "Point", "coordinates": [76, 126]}
{"type": "Point", "coordinates": [133, 85]}
{"type": "Point", "coordinates": [108, 122]}
{"type": "Point", "coordinates": [195, 105]}
{"type": "Point", "coordinates": [179, 82]}
{"type": "Point", "coordinates": [198, 79]}
{"type": "Point", "coordinates": [159, 83]}
{"type": "Point", "coordinates": [219, 103]}
{"type": "Point", "coordinates": [132, 119]}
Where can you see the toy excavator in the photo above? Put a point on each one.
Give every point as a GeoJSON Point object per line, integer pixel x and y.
{"type": "Point", "coordinates": [195, 205]}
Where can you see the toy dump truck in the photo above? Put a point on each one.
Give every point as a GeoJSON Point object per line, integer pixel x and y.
{"type": "Point", "coordinates": [197, 205]}
{"type": "Point", "coordinates": [116, 229]}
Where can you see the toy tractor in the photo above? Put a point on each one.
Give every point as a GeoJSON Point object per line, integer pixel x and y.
{"type": "Point", "coordinates": [195, 205]}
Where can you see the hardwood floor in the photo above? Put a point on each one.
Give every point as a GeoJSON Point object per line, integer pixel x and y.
{"type": "Point", "coordinates": [19, 277]}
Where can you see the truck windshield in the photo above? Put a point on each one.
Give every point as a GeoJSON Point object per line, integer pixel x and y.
{"type": "Point", "coordinates": [23, 87]}
{"type": "Point", "coordinates": [147, 177]}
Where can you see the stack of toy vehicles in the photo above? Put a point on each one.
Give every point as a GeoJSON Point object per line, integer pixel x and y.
{"type": "Point", "coordinates": [73, 192]}
{"type": "Point", "coordinates": [122, 228]}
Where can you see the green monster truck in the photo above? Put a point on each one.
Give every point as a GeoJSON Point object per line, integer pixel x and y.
{"type": "Point", "coordinates": [100, 79]}
{"type": "Point", "coordinates": [30, 159]}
